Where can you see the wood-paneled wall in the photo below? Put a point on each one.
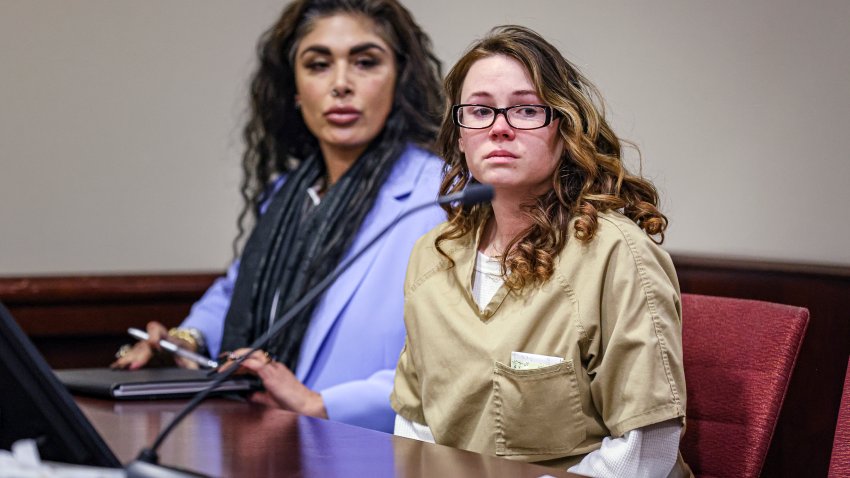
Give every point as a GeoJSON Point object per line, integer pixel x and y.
{"type": "Point", "coordinates": [81, 321]}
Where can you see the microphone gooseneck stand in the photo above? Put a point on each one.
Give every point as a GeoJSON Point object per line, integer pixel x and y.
{"type": "Point", "coordinates": [146, 464]}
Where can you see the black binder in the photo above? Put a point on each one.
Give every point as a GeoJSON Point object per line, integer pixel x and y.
{"type": "Point", "coordinates": [149, 383]}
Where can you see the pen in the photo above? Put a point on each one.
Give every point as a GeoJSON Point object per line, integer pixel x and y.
{"type": "Point", "coordinates": [186, 354]}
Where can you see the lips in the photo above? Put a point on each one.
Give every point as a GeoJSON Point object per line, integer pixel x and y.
{"type": "Point", "coordinates": [500, 153]}
{"type": "Point", "coordinates": [342, 115]}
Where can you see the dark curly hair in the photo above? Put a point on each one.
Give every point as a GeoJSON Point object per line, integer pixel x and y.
{"type": "Point", "coordinates": [590, 177]}
{"type": "Point", "coordinates": [275, 135]}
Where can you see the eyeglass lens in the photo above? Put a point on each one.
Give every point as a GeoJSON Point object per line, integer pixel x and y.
{"type": "Point", "coordinates": [519, 116]}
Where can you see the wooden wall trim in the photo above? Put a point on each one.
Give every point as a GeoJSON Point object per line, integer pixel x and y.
{"type": "Point", "coordinates": [80, 321]}
{"type": "Point", "coordinates": [689, 262]}
{"type": "Point", "coordinates": [94, 288]}
{"type": "Point", "coordinates": [77, 288]}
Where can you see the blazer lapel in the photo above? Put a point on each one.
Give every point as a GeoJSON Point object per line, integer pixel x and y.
{"type": "Point", "coordinates": [389, 205]}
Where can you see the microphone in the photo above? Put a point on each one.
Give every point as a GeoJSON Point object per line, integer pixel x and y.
{"type": "Point", "coordinates": [473, 194]}
{"type": "Point", "coordinates": [145, 465]}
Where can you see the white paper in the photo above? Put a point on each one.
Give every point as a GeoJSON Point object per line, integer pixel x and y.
{"type": "Point", "coordinates": [527, 361]}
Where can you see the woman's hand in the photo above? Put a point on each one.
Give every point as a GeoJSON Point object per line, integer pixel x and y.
{"type": "Point", "coordinates": [140, 354]}
{"type": "Point", "coordinates": [282, 387]}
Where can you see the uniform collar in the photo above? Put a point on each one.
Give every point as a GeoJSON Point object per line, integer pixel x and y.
{"type": "Point", "coordinates": [464, 254]}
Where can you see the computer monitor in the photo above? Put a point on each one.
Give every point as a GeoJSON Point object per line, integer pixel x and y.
{"type": "Point", "coordinates": [34, 404]}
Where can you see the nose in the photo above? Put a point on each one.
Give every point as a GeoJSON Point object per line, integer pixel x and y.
{"type": "Point", "coordinates": [500, 127]}
{"type": "Point", "coordinates": [341, 86]}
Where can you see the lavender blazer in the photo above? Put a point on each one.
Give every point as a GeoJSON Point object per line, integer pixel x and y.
{"type": "Point", "coordinates": [351, 347]}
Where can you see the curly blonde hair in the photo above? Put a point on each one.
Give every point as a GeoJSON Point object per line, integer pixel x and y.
{"type": "Point", "coordinates": [590, 177]}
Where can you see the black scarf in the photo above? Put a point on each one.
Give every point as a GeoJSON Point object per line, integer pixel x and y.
{"type": "Point", "coordinates": [294, 246]}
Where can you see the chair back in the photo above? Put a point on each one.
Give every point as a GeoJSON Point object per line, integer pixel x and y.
{"type": "Point", "coordinates": [738, 358]}
{"type": "Point", "coordinates": [839, 465]}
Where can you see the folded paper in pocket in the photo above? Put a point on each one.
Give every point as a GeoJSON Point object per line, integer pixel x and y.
{"type": "Point", "coordinates": [526, 361]}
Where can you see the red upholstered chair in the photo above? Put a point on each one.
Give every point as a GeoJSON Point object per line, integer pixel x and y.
{"type": "Point", "coordinates": [738, 357]}
{"type": "Point", "coordinates": [839, 465]}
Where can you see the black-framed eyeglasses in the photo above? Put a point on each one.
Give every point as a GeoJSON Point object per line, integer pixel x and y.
{"type": "Point", "coordinates": [518, 116]}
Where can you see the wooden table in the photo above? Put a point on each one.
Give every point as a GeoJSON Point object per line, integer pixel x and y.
{"type": "Point", "coordinates": [233, 438]}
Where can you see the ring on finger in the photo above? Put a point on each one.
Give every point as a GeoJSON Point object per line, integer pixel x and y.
{"type": "Point", "coordinates": [123, 351]}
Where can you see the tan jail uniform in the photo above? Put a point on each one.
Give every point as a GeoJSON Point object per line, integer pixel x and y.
{"type": "Point", "coordinates": [611, 310]}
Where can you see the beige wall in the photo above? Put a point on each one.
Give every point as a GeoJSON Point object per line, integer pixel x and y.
{"type": "Point", "coordinates": [120, 121]}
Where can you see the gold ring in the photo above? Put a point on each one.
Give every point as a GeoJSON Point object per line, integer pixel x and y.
{"type": "Point", "coordinates": [124, 350]}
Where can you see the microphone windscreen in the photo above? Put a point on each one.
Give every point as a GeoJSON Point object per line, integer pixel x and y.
{"type": "Point", "coordinates": [477, 193]}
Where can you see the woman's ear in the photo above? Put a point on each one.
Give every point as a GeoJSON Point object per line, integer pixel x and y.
{"type": "Point", "coordinates": [297, 102]}
{"type": "Point", "coordinates": [460, 144]}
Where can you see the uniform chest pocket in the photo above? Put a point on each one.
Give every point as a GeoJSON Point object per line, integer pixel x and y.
{"type": "Point", "coordinates": [537, 411]}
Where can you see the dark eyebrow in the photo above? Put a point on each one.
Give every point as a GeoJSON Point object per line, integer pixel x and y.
{"type": "Point", "coordinates": [365, 47]}
{"type": "Point", "coordinates": [323, 50]}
